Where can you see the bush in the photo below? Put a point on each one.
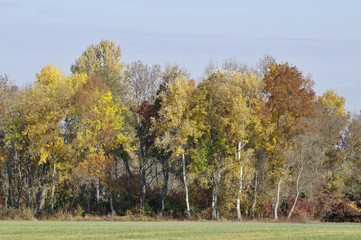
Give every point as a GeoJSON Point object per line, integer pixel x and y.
{"type": "Point", "coordinates": [16, 214]}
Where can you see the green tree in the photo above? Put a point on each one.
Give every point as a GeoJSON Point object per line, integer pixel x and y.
{"type": "Point", "coordinates": [103, 60]}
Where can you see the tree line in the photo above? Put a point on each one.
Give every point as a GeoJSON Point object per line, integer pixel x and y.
{"type": "Point", "coordinates": [128, 138]}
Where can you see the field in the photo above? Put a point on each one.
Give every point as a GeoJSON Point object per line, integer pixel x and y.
{"type": "Point", "coordinates": [175, 230]}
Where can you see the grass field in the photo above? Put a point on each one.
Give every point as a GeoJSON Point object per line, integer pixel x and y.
{"type": "Point", "coordinates": [175, 230]}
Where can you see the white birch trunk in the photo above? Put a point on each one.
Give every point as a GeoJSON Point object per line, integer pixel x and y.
{"type": "Point", "coordinates": [297, 193]}
{"type": "Point", "coordinates": [97, 189]}
{"type": "Point", "coordinates": [275, 209]}
{"type": "Point", "coordinates": [255, 196]}
{"type": "Point", "coordinates": [239, 215]}
{"type": "Point", "coordinates": [214, 204]}
{"type": "Point", "coordinates": [53, 177]}
{"type": "Point", "coordinates": [185, 184]}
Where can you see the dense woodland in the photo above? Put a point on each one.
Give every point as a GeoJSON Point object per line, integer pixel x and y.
{"type": "Point", "coordinates": [131, 139]}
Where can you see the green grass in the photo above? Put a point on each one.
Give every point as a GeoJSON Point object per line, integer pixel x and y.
{"type": "Point", "coordinates": [175, 230]}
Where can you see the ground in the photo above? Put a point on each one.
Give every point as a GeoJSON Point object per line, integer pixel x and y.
{"type": "Point", "coordinates": [176, 230]}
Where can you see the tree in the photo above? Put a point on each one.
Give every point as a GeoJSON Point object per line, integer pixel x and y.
{"type": "Point", "coordinates": [221, 114]}
{"type": "Point", "coordinates": [144, 82]}
{"type": "Point", "coordinates": [332, 103]}
{"type": "Point", "coordinates": [175, 126]}
{"type": "Point", "coordinates": [100, 129]}
{"type": "Point", "coordinates": [289, 100]}
{"type": "Point", "coordinates": [48, 105]}
{"type": "Point", "coordinates": [11, 126]}
{"type": "Point", "coordinates": [103, 60]}
{"type": "Point", "coordinates": [242, 101]}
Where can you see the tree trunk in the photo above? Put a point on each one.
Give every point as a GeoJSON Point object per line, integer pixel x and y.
{"type": "Point", "coordinates": [53, 176]}
{"type": "Point", "coordinates": [20, 182]}
{"type": "Point", "coordinates": [297, 193]}
{"type": "Point", "coordinates": [30, 182]}
{"type": "Point", "coordinates": [165, 186]}
{"type": "Point", "coordinates": [275, 209]}
{"type": "Point", "coordinates": [144, 189]}
{"type": "Point", "coordinates": [143, 174]}
{"type": "Point", "coordinates": [5, 190]}
{"type": "Point", "coordinates": [97, 189]}
{"type": "Point", "coordinates": [216, 179]}
{"type": "Point", "coordinates": [111, 203]}
{"type": "Point", "coordinates": [214, 203]}
{"type": "Point", "coordinates": [40, 198]}
{"type": "Point", "coordinates": [126, 165]}
{"type": "Point", "coordinates": [89, 200]}
{"type": "Point", "coordinates": [6, 200]}
{"type": "Point", "coordinates": [239, 216]}
{"type": "Point", "coordinates": [185, 184]}
{"type": "Point", "coordinates": [9, 168]}
{"type": "Point", "coordinates": [255, 195]}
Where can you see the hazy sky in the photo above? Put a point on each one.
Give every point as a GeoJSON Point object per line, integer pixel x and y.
{"type": "Point", "coordinates": [322, 38]}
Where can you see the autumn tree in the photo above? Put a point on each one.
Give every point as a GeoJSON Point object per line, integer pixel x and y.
{"type": "Point", "coordinates": [174, 126]}
{"type": "Point", "coordinates": [49, 105]}
{"type": "Point", "coordinates": [241, 99]}
{"type": "Point", "coordinates": [289, 100]}
{"type": "Point", "coordinates": [11, 143]}
{"type": "Point", "coordinates": [212, 152]}
{"type": "Point", "coordinates": [143, 81]}
{"type": "Point", "coordinates": [100, 127]}
{"type": "Point", "coordinates": [221, 113]}
{"type": "Point", "coordinates": [103, 60]}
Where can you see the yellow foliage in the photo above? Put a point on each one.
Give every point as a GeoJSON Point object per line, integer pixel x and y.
{"type": "Point", "coordinates": [333, 103]}
{"type": "Point", "coordinates": [44, 154]}
{"type": "Point", "coordinates": [354, 206]}
{"type": "Point", "coordinates": [101, 118]}
{"type": "Point", "coordinates": [96, 164]}
{"type": "Point", "coordinates": [173, 131]}
{"type": "Point", "coordinates": [48, 75]}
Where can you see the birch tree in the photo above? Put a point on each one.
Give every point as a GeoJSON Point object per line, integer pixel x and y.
{"type": "Point", "coordinates": [174, 125]}
{"type": "Point", "coordinates": [289, 99]}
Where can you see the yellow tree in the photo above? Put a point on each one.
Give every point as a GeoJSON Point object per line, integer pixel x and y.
{"type": "Point", "coordinates": [100, 127]}
{"type": "Point", "coordinates": [332, 125]}
{"type": "Point", "coordinates": [332, 103]}
{"type": "Point", "coordinates": [222, 115]}
{"type": "Point", "coordinates": [175, 125]}
{"type": "Point", "coordinates": [241, 99]}
{"type": "Point", "coordinates": [48, 105]}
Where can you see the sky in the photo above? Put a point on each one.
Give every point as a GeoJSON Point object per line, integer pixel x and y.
{"type": "Point", "coordinates": [321, 38]}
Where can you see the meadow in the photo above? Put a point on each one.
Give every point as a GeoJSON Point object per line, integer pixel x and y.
{"type": "Point", "coordinates": [176, 230]}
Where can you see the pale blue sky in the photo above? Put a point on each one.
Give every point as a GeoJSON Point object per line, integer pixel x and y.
{"type": "Point", "coordinates": [322, 38]}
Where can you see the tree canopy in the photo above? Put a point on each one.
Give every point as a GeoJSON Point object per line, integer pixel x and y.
{"type": "Point", "coordinates": [138, 139]}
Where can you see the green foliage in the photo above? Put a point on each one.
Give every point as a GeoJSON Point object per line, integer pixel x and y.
{"type": "Point", "coordinates": [103, 60]}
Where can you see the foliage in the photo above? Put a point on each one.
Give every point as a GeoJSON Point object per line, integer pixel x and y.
{"type": "Point", "coordinates": [103, 60]}
{"type": "Point", "coordinates": [134, 139]}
